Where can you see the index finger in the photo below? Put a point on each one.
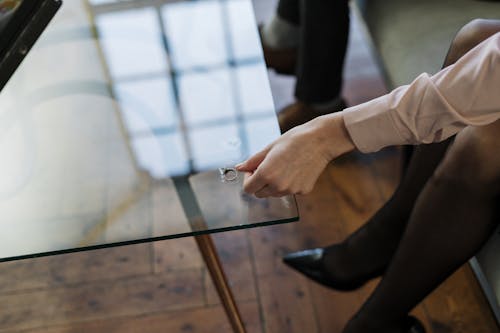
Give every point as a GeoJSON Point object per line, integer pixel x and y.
{"type": "Point", "coordinates": [253, 162]}
{"type": "Point", "coordinates": [253, 182]}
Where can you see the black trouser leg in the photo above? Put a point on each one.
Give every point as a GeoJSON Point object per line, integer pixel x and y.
{"type": "Point", "coordinates": [323, 45]}
{"type": "Point", "coordinates": [289, 11]}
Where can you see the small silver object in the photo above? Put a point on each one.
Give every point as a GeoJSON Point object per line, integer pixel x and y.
{"type": "Point", "coordinates": [228, 174]}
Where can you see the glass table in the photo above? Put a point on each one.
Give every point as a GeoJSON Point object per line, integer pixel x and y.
{"type": "Point", "coordinates": [123, 124]}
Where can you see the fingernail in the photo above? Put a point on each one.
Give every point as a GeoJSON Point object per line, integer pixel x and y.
{"type": "Point", "coordinates": [239, 165]}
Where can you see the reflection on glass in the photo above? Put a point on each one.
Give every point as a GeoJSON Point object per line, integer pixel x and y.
{"type": "Point", "coordinates": [260, 131]}
{"type": "Point", "coordinates": [131, 42]}
{"type": "Point", "coordinates": [124, 142]}
{"type": "Point", "coordinates": [244, 37]}
{"type": "Point", "coordinates": [207, 96]}
{"type": "Point", "coordinates": [162, 156]}
{"type": "Point", "coordinates": [196, 34]}
{"type": "Point", "coordinates": [7, 9]}
{"type": "Point", "coordinates": [215, 146]}
{"type": "Point", "coordinates": [223, 203]}
{"type": "Point", "coordinates": [16, 145]}
{"type": "Point", "coordinates": [147, 104]}
{"type": "Point", "coordinates": [254, 90]}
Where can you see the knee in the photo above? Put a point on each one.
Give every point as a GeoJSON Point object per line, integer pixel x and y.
{"type": "Point", "coordinates": [471, 35]}
{"type": "Point", "coordinates": [472, 163]}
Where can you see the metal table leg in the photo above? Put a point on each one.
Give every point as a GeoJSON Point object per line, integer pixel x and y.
{"type": "Point", "coordinates": [209, 252]}
{"type": "Point", "coordinates": [211, 258]}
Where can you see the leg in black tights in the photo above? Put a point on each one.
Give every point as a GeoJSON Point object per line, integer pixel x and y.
{"type": "Point", "coordinates": [369, 250]}
{"type": "Point", "coordinates": [452, 218]}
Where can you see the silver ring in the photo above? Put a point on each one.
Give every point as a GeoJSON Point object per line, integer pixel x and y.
{"type": "Point", "coordinates": [228, 174]}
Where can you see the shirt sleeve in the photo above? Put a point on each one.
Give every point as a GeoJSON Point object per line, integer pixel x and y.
{"type": "Point", "coordinates": [432, 108]}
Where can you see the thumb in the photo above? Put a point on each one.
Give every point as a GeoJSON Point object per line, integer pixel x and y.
{"type": "Point", "coordinates": [253, 162]}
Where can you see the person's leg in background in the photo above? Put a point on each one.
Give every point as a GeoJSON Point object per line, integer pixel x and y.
{"type": "Point", "coordinates": [367, 252]}
{"type": "Point", "coordinates": [324, 35]}
{"type": "Point", "coordinates": [323, 31]}
{"type": "Point", "coordinates": [281, 37]}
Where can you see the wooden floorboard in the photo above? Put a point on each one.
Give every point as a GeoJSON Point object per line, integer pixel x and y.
{"type": "Point", "coordinates": [287, 304]}
{"type": "Point", "coordinates": [458, 306]}
{"type": "Point", "coordinates": [105, 299]}
{"type": "Point", "coordinates": [75, 268]}
{"type": "Point", "coordinates": [196, 320]}
{"type": "Point", "coordinates": [234, 251]}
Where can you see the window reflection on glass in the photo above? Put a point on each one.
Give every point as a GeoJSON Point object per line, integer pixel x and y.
{"type": "Point", "coordinates": [196, 91]}
{"type": "Point", "coordinates": [215, 146]}
{"type": "Point", "coordinates": [90, 140]}
{"type": "Point", "coordinates": [131, 42]}
{"type": "Point", "coordinates": [162, 155]}
{"type": "Point", "coordinates": [254, 90]}
{"type": "Point", "coordinates": [147, 104]}
{"type": "Point", "coordinates": [243, 30]}
{"type": "Point", "coordinates": [195, 33]}
{"type": "Point", "coordinates": [259, 132]}
{"type": "Point", "coordinates": [206, 96]}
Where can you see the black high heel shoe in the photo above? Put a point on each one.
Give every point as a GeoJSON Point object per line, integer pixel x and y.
{"type": "Point", "coordinates": [413, 325]}
{"type": "Point", "coordinates": [310, 263]}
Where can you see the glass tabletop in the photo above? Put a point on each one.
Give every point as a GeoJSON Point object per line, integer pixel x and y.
{"type": "Point", "coordinates": [123, 123]}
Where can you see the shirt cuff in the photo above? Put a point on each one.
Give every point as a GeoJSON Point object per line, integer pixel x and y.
{"type": "Point", "coordinates": [371, 126]}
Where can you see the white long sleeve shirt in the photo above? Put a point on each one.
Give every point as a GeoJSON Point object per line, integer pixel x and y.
{"type": "Point", "coordinates": [432, 108]}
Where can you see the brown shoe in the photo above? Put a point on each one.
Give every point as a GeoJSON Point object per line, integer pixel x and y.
{"type": "Point", "coordinates": [299, 113]}
{"type": "Point", "coordinates": [282, 61]}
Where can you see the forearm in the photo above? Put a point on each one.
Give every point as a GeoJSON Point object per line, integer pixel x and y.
{"type": "Point", "coordinates": [432, 108]}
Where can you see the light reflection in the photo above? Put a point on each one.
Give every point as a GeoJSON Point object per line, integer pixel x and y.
{"type": "Point", "coordinates": [244, 40]}
{"type": "Point", "coordinates": [163, 155]}
{"type": "Point", "coordinates": [131, 41]}
{"type": "Point", "coordinates": [196, 34]}
{"type": "Point", "coordinates": [147, 104]}
{"type": "Point", "coordinates": [260, 132]}
{"type": "Point", "coordinates": [255, 91]}
{"type": "Point", "coordinates": [17, 147]}
{"type": "Point", "coordinates": [216, 71]}
{"type": "Point", "coordinates": [116, 121]}
{"type": "Point", "coordinates": [212, 148]}
{"type": "Point", "coordinates": [207, 96]}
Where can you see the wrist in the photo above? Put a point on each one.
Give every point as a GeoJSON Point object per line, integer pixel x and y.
{"type": "Point", "coordinates": [333, 136]}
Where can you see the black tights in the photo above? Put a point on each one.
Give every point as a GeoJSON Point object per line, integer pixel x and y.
{"type": "Point", "coordinates": [450, 221]}
{"type": "Point", "coordinates": [440, 215]}
{"type": "Point", "coordinates": [368, 251]}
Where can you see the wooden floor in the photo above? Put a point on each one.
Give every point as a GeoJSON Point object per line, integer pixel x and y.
{"type": "Point", "coordinates": [164, 286]}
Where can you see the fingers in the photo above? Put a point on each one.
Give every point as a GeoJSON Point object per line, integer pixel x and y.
{"type": "Point", "coordinates": [253, 162]}
{"type": "Point", "coordinates": [262, 184]}
{"type": "Point", "coordinates": [269, 191]}
{"type": "Point", "coordinates": [263, 192]}
{"type": "Point", "coordinates": [254, 183]}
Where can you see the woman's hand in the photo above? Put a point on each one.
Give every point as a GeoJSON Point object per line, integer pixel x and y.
{"type": "Point", "coordinates": [293, 163]}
